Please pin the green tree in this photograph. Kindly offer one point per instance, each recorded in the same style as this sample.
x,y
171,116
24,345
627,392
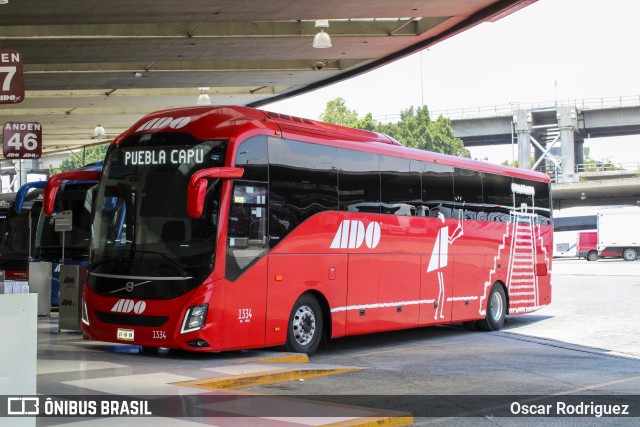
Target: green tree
x,y
336,112
415,128
78,159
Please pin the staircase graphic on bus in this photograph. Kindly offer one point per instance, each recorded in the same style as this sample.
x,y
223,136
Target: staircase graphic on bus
x,y
522,281
518,252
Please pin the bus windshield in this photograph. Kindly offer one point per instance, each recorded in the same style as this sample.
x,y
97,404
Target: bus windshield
x,y
74,198
144,244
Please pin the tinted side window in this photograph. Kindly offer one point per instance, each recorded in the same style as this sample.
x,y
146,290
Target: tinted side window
x,y
467,186
358,181
252,156
542,200
304,182
498,198
247,232
534,203
400,186
437,189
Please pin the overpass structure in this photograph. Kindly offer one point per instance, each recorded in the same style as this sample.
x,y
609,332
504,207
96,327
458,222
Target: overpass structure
x,y
553,135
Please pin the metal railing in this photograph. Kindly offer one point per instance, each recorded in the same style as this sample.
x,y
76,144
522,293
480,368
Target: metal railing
x,y
508,109
610,168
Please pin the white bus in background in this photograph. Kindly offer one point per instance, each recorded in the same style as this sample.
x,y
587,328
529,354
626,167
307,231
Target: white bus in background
x,y
567,223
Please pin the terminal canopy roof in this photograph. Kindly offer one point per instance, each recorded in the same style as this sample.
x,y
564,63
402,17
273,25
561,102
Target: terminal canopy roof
x,y
108,63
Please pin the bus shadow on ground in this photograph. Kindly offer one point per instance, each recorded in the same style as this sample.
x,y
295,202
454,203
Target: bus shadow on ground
x,y
393,339
512,322
415,336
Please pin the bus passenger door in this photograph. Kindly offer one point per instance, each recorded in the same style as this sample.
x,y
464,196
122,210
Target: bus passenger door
x,y
246,266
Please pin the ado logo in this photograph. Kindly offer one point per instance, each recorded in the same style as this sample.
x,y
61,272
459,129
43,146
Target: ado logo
x,y
162,122
127,306
351,234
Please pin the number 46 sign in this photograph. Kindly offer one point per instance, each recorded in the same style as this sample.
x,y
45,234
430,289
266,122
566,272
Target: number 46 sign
x,y
22,140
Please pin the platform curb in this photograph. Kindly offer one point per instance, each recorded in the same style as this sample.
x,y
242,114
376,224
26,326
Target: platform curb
x,y
392,421
261,378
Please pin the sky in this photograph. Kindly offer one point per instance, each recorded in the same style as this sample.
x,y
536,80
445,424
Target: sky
x,y
550,50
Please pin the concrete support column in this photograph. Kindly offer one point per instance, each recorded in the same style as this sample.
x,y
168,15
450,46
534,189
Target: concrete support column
x,y
522,121
568,123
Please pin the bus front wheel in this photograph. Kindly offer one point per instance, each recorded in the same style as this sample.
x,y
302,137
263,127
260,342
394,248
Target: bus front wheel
x,y
496,310
304,331
629,254
592,256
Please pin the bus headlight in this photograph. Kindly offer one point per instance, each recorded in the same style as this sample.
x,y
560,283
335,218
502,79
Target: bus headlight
x,y
85,313
194,318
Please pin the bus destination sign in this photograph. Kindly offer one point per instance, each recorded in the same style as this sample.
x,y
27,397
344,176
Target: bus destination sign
x,y
22,140
11,77
169,156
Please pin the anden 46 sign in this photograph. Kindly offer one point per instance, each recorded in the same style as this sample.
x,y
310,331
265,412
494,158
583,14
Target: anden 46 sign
x,y
22,140
11,77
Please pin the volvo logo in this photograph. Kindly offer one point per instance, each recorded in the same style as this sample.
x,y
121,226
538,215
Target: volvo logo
x,y
129,286
127,306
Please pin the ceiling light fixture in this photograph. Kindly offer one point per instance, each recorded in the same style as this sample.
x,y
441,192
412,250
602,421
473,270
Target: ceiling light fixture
x,y
322,39
4,1
99,132
204,98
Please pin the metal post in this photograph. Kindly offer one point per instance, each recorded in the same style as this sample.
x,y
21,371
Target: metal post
x,y
62,260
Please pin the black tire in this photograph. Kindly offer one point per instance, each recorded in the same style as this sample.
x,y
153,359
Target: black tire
x,y
592,256
304,330
496,310
629,254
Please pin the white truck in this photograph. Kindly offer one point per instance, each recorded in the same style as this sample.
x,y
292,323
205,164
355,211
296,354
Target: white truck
x,y
619,230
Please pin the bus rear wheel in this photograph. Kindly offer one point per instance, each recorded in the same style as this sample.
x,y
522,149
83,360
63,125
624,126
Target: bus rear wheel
x,y
304,331
496,310
629,254
592,256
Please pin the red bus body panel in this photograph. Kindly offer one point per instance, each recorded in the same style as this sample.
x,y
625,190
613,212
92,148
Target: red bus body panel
x,y
377,286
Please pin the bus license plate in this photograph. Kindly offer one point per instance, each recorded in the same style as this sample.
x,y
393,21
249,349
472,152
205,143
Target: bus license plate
x,y
125,334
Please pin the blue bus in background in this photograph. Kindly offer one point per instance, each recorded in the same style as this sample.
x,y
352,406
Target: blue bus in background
x,y
19,214
73,193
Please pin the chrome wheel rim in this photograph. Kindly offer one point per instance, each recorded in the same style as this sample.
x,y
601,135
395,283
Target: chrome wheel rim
x,y
496,306
304,325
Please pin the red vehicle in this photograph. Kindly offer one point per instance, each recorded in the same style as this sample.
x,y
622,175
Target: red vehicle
x,y
587,247
229,228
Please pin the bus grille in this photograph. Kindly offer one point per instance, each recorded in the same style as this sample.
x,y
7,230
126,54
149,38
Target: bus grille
x,y
125,319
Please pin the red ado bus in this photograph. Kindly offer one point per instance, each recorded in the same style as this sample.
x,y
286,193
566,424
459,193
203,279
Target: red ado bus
x,y
228,228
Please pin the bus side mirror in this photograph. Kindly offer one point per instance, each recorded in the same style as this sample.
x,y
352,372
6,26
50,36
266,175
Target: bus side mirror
x,y
53,184
197,189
